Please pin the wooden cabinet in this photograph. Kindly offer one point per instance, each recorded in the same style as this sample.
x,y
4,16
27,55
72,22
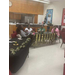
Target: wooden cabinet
x,y
26,6
11,29
36,19
40,8
14,16
11,16
17,16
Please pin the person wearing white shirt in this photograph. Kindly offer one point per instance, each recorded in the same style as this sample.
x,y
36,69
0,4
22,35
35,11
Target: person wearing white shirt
x,y
23,34
29,29
20,31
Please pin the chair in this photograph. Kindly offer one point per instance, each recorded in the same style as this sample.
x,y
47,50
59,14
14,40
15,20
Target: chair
x,y
14,31
34,29
60,35
63,30
10,72
63,38
14,35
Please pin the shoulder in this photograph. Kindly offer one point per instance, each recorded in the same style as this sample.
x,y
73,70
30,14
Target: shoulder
x,y
57,29
26,28
30,28
21,30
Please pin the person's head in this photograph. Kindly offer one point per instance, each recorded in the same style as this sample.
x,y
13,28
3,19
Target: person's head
x,y
55,27
28,26
26,30
18,29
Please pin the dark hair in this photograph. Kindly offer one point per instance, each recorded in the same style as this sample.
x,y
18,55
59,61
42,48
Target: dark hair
x,y
18,29
28,25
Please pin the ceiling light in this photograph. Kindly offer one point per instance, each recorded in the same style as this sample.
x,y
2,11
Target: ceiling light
x,y
43,1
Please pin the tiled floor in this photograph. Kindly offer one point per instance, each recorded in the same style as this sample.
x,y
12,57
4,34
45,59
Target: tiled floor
x,y
46,60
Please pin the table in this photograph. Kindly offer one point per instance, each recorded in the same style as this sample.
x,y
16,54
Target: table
x,y
16,60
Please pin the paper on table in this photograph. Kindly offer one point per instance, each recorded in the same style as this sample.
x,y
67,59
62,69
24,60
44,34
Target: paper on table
x,y
9,38
10,42
19,38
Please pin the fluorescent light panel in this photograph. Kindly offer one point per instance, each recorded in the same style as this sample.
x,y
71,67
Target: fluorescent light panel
x,y
43,1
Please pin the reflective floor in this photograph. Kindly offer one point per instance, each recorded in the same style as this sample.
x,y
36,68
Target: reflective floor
x,y
46,60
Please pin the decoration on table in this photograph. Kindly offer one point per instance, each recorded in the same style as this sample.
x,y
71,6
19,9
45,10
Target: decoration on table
x,y
33,33
36,38
23,46
15,44
49,38
44,39
13,51
20,46
19,36
39,38
63,17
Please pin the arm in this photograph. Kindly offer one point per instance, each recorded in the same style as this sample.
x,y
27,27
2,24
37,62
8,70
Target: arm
x,y
44,29
23,34
31,30
52,31
57,30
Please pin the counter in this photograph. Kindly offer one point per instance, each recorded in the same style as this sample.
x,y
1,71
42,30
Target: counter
x,y
13,27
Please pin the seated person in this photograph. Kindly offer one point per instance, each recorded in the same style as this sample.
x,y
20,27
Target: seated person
x,y
20,31
56,31
29,29
41,30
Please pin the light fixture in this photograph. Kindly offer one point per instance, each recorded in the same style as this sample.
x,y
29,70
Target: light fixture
x,y
43,1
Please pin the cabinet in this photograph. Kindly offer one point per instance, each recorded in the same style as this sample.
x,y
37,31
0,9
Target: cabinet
x,y
17,16
14,16
27,7
11,16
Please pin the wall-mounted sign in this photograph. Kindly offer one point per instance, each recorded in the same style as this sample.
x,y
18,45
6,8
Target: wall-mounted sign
x,y
49,16
10,3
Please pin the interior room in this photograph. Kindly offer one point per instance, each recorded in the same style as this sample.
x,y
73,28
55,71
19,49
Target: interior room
x,y
36,37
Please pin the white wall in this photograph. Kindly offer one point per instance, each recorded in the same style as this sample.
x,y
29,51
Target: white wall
x,y
40,18
57,11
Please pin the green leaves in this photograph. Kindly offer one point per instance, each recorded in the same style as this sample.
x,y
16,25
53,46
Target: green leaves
x,y
18,48
23,46
13,51
23,43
